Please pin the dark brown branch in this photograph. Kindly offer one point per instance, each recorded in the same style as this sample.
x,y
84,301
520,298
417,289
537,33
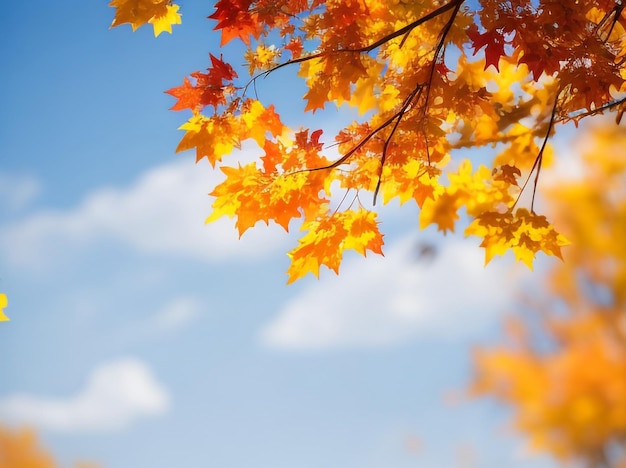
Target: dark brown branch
x,y
438,49
399,116
424,19
599,110
540,155
359,145
539,158
411,97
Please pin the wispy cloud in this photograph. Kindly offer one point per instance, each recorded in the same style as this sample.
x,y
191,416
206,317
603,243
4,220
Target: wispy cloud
x,y
16,191
382,301
116,395
176,314
162,212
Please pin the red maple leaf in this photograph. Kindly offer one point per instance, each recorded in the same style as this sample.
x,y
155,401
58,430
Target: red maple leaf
x,y
209,87
493,41
235,20
221,70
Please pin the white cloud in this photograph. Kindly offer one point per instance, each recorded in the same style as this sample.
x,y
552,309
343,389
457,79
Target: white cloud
x,y
117,393
162,212
16,191
381,301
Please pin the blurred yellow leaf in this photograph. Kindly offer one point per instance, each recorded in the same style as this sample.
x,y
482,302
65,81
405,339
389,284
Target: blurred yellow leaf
x,y
4,302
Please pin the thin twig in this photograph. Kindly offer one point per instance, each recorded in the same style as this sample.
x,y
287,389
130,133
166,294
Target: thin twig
x,y
404,30
539,158
411,98
399,116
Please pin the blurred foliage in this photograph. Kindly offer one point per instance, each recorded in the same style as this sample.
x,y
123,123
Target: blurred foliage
x,y
21,449
563,368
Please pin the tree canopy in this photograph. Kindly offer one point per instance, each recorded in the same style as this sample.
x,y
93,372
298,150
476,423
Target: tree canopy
x,y
427,78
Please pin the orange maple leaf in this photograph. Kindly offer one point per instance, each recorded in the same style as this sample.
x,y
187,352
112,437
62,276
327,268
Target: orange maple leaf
x,y
328,237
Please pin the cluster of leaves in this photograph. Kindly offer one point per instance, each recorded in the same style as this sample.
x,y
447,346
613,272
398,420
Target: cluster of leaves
x,y
428,78
565,377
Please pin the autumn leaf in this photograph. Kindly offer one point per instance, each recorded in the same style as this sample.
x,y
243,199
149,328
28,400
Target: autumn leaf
x,y
327,239
188,95
442,211
235,21
211,88
523,232
211,137
508,174
492,41
164,23
4,302
162,14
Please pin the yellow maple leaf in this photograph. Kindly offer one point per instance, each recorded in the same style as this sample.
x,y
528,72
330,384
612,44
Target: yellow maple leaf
x,y
164,23
162,14
212,137
3,303
254,119
262,58
363,234
525,249
442,211
365,96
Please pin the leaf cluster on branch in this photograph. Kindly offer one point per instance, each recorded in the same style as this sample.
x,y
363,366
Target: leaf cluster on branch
x,y
428,78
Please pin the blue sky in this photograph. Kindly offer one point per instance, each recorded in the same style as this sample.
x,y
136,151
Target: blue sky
x,y
140,337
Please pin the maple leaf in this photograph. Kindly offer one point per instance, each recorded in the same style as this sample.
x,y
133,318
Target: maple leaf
x,y
188,95
164,23
210,89
258,121
253,195
160,13
239,195
441,210
535,62
263,58
4,302
363,234
212,137
235,21
328,237
493,41
523,232
507,173
295,47
220,70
